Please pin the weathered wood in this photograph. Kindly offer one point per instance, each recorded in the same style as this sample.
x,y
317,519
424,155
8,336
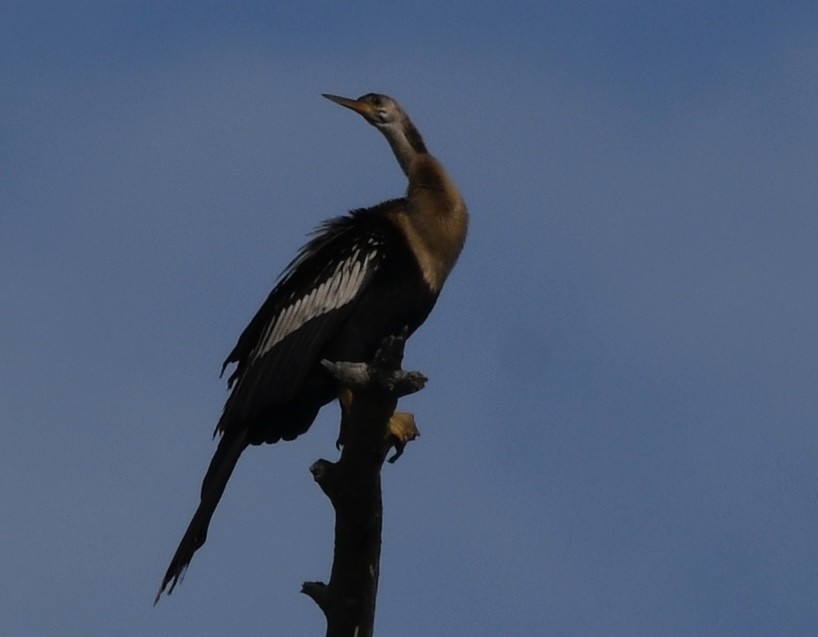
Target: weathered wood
x,y
370,427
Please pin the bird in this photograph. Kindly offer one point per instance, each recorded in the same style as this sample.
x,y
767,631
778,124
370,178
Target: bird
x,y
361,277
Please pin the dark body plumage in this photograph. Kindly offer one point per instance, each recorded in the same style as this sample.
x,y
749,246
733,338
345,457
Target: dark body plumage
x,y
366,268
361,278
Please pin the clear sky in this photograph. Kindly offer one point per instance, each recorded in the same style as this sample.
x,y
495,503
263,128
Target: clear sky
x,y
619,432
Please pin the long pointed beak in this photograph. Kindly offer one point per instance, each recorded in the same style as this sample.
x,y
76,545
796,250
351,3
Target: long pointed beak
x,y
362,108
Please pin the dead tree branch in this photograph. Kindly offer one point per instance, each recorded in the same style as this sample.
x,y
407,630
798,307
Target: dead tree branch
x,y
370,427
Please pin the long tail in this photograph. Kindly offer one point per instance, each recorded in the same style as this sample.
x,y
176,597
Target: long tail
x,y
218,473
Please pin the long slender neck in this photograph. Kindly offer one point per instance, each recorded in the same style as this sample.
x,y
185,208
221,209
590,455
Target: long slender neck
x,y
406,143
436,219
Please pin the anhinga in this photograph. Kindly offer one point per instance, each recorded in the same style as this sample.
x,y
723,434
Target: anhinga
x,y
362,277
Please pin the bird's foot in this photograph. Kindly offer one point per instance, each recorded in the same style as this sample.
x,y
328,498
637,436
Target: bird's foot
x,y
400,431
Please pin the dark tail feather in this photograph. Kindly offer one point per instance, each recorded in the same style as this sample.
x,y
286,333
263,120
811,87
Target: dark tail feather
x,y
218,473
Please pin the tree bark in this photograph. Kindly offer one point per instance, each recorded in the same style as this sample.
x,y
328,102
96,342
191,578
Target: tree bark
x,y
370,427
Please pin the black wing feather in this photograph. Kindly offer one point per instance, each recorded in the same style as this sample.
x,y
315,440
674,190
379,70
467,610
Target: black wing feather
x,y
265,378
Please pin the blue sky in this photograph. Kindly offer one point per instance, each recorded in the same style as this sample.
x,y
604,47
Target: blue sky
x,y
619,433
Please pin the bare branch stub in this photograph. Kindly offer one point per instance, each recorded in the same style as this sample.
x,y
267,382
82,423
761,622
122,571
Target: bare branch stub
x,y
370,427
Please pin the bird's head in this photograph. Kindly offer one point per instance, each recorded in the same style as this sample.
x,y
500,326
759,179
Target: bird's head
x,y
379,110
388,117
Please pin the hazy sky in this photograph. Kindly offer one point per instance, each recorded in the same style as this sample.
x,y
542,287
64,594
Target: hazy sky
x,y
619,433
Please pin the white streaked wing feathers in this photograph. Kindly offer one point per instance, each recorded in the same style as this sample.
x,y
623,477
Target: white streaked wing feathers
x,y
334,292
